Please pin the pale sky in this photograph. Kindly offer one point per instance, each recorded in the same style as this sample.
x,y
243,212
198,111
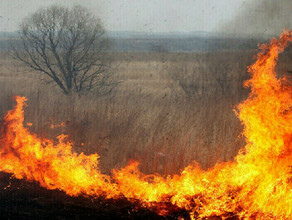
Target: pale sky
x,y
149,15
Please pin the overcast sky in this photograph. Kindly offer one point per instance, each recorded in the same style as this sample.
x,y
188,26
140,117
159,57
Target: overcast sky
x,y
158,15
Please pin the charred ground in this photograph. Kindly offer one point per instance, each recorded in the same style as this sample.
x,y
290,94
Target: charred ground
x,y
21,199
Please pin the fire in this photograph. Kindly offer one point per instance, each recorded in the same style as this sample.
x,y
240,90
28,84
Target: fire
x,y
54,166
257,184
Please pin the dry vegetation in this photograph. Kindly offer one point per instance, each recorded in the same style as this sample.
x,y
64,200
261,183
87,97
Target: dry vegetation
x,y
167,111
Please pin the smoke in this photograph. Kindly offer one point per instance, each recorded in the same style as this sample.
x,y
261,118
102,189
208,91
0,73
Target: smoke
x,y
263,17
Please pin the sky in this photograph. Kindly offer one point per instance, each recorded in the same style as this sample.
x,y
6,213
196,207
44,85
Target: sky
x,y
152,16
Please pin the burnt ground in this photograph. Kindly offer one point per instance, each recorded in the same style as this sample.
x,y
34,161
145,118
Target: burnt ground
x,y
25,200
20,199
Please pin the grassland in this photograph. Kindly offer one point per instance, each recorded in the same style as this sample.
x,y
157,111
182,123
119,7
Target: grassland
x,y
168,110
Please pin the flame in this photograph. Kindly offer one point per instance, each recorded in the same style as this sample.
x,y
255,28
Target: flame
x,y
257,184
54,166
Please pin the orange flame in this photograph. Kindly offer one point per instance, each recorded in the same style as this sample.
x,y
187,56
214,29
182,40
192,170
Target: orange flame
x,y
53,166
258,184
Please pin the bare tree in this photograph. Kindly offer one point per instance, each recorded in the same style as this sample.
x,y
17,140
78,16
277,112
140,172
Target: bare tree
x,y
67,45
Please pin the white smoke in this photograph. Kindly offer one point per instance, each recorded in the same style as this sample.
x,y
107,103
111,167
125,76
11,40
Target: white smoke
x,y
261,17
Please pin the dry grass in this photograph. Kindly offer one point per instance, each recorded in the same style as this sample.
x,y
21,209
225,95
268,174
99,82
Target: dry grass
x,y
148,117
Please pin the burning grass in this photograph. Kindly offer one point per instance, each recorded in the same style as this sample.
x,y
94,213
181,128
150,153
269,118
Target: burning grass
x,y
256,185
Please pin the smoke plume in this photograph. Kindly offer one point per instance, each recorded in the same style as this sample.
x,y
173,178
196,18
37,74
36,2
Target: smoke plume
x,y
264,17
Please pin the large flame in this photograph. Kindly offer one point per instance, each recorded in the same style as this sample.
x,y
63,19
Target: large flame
x,y
258,184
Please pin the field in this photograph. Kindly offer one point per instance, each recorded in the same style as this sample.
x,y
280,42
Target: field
x,y
168,109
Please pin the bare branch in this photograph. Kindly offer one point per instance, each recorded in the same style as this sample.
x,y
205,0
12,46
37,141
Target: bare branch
x,y
66,45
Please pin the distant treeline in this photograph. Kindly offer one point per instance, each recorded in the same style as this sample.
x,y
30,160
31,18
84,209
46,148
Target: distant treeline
x,y
166,43
183,45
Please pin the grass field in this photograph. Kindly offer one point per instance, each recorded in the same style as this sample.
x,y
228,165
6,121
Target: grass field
x,y
168,110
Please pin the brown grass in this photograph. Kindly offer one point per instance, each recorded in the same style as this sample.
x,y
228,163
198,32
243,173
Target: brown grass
x,y
148,117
